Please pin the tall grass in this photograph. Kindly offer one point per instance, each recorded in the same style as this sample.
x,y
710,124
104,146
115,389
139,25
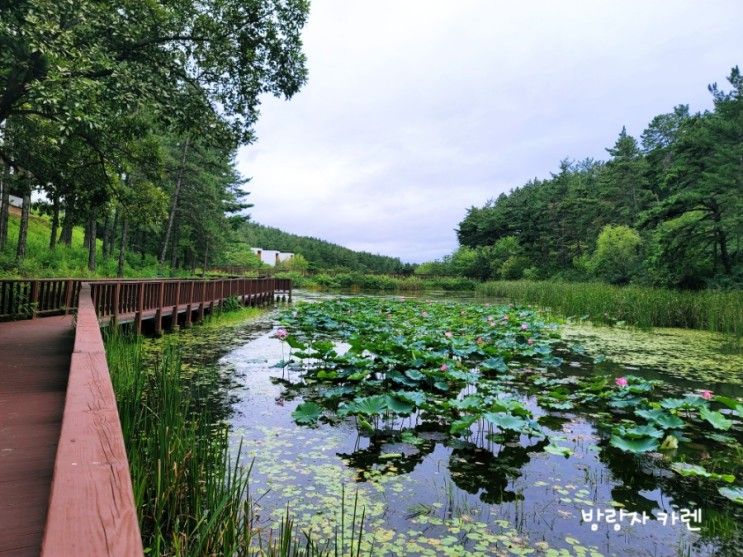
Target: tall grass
x,y
712,310
192,497
386,283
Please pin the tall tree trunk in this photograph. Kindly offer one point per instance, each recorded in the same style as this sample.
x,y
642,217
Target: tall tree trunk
x,y
91,243
721,238
141,245
174,204
724,255
4,206
65,237
111,232
55,222
122,249
174,250
86,236
23,230
106,235
206,257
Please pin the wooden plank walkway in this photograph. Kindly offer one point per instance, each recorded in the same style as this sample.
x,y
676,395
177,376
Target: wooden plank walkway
x,y
34,365
64,476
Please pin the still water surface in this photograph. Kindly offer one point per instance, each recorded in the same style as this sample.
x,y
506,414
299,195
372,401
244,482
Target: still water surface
x,y
450,497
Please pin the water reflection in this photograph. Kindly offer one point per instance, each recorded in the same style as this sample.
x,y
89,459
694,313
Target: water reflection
x,y
512,481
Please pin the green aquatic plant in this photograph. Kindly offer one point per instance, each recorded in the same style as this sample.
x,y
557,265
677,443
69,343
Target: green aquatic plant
x,y
735,494
383,361
694,470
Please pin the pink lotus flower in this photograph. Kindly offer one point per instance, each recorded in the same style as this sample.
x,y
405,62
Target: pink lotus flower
x,y
424,314
448,334
524,326
621,381
281,334
505,317
530,341
706,394
444,367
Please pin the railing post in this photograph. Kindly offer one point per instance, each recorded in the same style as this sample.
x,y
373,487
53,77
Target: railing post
x,y
176,303
34,298
117,296
187,323
69,285
290,291
159,312
203,300
140,308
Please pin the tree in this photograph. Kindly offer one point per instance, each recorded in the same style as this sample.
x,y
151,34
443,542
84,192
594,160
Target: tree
x,y
195,62
623,182
705,180
617,254
297,263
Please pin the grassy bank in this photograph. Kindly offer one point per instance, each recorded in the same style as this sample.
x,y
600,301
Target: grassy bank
x,y
386,283
67,261
644,307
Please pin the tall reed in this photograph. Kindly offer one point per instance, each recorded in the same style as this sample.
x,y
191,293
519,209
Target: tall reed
x,y
713,310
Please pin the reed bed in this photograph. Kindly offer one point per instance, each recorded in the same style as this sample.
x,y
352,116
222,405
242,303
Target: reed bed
x,y
382,283
713,310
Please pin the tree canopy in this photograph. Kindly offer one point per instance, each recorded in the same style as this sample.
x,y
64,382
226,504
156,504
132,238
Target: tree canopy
x,y
667,210
129,114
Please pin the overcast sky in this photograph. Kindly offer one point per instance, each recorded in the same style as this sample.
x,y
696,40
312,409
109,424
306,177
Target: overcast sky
x,y
416,110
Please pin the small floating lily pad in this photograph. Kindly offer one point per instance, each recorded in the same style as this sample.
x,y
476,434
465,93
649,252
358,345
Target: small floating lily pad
x,y
735,494
686,470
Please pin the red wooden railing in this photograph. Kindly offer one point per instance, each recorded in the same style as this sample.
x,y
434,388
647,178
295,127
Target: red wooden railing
x,y
91,505
134,300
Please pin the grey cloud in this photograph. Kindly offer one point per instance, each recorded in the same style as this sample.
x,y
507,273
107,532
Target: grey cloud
x,y
415,111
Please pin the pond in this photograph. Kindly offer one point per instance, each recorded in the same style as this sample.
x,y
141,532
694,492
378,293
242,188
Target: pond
x,y
461,428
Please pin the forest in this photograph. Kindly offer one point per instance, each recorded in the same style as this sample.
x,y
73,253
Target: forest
x,y
320,254
125,122
665,210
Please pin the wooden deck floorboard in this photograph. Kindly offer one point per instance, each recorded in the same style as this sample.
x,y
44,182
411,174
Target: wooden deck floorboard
x,y
34,365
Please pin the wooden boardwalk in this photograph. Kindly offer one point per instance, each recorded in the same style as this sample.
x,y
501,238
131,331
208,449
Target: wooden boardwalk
x,y
34,364
64,476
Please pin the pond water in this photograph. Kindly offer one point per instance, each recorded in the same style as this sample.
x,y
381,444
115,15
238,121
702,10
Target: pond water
x,y
430,493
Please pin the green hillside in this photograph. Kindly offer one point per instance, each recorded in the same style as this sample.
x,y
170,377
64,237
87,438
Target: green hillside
x,y
320,254
65,261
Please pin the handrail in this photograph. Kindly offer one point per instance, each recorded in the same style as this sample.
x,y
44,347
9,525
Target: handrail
x,y
30,298
91,507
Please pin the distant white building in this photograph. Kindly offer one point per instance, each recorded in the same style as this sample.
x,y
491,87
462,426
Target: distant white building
x,y
271,257
15,201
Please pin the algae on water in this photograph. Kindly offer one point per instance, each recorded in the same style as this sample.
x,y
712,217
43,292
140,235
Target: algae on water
x,y
682,353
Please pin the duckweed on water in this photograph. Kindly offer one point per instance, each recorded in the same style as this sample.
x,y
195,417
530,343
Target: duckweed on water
x,y
508,399
683,353
190,491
